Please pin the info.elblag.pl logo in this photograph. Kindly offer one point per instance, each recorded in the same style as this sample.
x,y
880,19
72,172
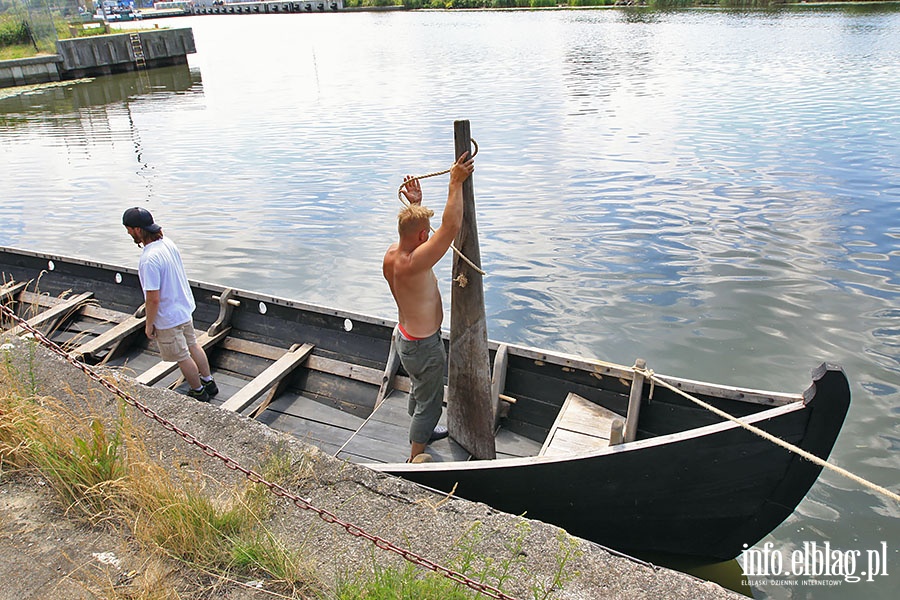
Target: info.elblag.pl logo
x,y
812,564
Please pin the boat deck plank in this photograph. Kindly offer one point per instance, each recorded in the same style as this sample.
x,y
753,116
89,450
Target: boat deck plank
x,y
108,334
135,362
295,406
581,426
384,437
269,378
510,444
310,421
59,310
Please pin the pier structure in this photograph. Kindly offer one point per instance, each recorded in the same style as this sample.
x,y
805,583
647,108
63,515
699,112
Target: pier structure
x,y
246,8
102,55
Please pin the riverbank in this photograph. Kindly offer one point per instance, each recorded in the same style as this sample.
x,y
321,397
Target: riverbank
x,y
43,553
101,55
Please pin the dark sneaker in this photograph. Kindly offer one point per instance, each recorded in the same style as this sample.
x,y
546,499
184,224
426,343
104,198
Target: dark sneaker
x,y
210,386
439,433
198,395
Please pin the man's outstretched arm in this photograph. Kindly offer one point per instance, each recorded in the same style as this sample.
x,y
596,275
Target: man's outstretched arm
x,y
428,254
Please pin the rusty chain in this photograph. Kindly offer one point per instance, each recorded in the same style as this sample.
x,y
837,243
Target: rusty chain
x,y
255,477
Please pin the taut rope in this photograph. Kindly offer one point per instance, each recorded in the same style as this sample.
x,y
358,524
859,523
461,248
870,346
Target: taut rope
x,y
649,374
462,282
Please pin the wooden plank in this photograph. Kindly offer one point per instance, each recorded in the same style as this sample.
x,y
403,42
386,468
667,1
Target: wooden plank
x,y
86,325
315,363
112,336
390,371
257,407
34,298
108,315
280,369
374,451
355,372
567,442
11,289
512,444
322,436
163,368
559,417
253,348
581,426
634,402
388,432
52,315
383,437
588,418
380,441
470,415
498,381
303,408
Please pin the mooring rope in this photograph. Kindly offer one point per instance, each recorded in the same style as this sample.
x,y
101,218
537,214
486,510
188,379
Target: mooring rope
x,y
253,476
461,280
649,374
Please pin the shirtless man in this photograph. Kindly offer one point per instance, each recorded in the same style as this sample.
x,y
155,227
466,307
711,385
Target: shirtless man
x,y
407,268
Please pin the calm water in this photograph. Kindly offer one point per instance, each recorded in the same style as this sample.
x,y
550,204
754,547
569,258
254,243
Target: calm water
x,y
717,192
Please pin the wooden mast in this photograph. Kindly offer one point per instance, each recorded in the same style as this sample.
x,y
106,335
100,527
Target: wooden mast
x,y
469,411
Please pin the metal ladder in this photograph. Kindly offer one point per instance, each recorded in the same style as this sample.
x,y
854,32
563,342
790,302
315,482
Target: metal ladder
x,y
138,49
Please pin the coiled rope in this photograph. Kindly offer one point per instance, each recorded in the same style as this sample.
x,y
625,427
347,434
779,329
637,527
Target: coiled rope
x,y
461,278
649,374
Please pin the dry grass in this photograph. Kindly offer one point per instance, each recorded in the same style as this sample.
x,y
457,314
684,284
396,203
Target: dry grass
x,y
103,475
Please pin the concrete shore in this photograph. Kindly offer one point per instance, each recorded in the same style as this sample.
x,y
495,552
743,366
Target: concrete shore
x,y
403,513
101,55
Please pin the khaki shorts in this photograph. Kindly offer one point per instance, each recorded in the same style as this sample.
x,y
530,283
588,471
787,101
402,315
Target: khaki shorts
x,y
174,343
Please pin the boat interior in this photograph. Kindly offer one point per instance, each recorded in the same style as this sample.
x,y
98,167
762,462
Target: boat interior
x,y
325,376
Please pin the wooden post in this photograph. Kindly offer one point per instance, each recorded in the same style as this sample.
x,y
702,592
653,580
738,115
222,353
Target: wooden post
x,y
469,409
634,402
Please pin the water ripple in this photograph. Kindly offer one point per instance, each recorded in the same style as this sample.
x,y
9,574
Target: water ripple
x,y
715,191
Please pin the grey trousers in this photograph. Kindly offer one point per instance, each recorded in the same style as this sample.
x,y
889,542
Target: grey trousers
x,y
424,361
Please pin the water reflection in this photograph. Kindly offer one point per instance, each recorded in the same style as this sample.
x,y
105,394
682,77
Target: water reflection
x,y
71,97
713,191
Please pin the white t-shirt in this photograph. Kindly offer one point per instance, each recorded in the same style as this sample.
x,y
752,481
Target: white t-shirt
x,y
160,268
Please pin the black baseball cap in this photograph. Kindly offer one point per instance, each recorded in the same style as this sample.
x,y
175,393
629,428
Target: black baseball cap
x,y
140,217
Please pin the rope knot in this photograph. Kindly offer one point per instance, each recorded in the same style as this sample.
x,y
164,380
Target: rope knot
x,y
462,280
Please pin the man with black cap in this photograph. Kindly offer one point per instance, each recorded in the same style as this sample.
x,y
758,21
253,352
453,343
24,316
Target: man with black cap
x,y
169,303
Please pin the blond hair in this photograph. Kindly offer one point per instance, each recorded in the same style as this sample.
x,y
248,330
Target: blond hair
x,y
413,219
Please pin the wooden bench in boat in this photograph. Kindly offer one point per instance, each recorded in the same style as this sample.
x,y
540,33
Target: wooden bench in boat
x,y
268,379
59,310
580,427
110,337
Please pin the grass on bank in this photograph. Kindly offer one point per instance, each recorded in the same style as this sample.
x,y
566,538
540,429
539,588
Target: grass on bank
x,y
17,38
103,475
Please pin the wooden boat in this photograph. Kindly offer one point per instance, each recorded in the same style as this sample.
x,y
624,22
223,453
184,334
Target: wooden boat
x,y
689,483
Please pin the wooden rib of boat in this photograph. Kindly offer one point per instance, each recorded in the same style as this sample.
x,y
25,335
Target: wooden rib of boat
x,y
683,481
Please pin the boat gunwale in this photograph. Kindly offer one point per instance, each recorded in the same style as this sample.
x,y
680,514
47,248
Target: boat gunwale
x,y
662,440
596,367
